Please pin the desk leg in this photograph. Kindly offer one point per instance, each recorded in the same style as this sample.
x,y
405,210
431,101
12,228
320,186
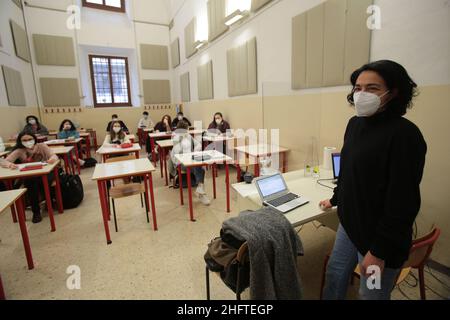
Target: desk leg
x,y
284,162
180,182
165,167
238,169
104,205
152,200
147,202
189,183
214,169
161,156
137,155
48,199
66,163
58,191
72,164
227,183
88,146
9,186
2,292
152,146
23,231
94,133
257,167
77,156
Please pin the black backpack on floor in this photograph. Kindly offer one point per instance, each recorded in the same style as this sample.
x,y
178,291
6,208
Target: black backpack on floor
x,y
89,163
71,190
194,182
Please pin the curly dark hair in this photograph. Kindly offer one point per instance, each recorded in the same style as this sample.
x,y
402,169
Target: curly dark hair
x,y
396,78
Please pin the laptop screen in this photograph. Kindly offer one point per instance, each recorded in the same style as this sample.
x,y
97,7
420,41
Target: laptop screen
x,y
271,185
336,164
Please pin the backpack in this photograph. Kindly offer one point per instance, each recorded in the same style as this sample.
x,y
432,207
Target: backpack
x,y
176,180
89,163
71,190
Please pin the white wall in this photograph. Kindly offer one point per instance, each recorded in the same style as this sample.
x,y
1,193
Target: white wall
x,y
414,33
9,11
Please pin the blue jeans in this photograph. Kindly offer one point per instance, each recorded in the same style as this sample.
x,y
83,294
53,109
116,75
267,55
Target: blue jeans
x,y
340,267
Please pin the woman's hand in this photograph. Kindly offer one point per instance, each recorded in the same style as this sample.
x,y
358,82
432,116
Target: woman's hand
x,y
325,204
371,260
9,165
51,161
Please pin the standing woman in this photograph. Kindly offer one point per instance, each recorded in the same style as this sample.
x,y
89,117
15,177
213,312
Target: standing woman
x,y
28,150
378,192
34,127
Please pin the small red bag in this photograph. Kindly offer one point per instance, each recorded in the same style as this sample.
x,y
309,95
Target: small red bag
x,y
126,145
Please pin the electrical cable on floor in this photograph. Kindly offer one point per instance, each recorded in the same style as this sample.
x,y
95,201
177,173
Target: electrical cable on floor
x,y
319,182
402,292
415,279
436,278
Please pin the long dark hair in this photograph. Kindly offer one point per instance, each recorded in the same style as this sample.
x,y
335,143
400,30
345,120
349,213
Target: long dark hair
x,y
112,134
396,78
19,144
72,126
38,124
214,119
170,120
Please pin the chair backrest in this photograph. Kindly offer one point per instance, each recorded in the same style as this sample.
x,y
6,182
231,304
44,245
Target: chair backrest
x,y
421,249
242,255
118,159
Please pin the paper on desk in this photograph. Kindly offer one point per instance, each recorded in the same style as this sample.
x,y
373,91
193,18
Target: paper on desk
x,y
245,189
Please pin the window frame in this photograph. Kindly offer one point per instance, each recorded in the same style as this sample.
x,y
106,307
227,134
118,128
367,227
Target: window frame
x,y
94,92
104,6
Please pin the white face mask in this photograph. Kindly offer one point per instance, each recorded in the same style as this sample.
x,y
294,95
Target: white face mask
x,y
117,129
67,128
32,122
219,122
180,118
367,104
29,144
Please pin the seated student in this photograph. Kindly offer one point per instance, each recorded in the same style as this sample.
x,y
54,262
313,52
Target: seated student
x,y
115,117
219,124
164,125
116,136
180,117
145,122
34,127
28,150
185,143
67,130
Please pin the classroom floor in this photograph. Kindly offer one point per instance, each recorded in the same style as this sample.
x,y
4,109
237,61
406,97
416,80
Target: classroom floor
x,y
141,263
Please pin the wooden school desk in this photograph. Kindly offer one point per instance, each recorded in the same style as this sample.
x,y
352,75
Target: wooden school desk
x,y
106,152
164,146
66,154
249,199
8,199
256,151
132,168
187,161
8,176
68,142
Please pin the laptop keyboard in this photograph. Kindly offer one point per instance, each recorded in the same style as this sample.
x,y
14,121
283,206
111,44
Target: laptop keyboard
x,y
282,200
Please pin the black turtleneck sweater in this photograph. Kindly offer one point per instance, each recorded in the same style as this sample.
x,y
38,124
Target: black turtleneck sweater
x,y
378,193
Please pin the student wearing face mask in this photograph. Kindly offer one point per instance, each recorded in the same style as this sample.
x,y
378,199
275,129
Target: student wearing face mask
x,y
219,124
67,130
116,136
28,150
180,117
145,122
165,125
33,126
378,191
115,118
183,142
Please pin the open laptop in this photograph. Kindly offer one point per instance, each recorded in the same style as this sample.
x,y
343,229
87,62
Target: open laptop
x,y
336,160
274,193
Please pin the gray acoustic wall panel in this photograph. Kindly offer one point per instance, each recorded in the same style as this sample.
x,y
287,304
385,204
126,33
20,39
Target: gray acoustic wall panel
x,y
242,69
216,19
205,81
20,41
157,91
185,87
154,57
14,87
60,92
54,50
175,53
189,38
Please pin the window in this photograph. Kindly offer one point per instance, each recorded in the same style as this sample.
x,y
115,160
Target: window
x,y
112,5
110,81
